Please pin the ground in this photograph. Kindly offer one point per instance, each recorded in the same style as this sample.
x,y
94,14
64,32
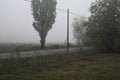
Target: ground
x,y
74,66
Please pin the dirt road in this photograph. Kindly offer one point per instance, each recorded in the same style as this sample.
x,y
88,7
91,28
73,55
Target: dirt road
x,y
35,53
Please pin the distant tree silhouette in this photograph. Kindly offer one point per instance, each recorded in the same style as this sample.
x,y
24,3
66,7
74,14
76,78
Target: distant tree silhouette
x,y
79,31
44,13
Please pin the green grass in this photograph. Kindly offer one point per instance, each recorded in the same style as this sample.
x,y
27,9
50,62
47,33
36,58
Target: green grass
x,y
62,67
11,48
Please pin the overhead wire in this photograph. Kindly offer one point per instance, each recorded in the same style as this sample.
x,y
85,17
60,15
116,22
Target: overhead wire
x,y
66,11
62,10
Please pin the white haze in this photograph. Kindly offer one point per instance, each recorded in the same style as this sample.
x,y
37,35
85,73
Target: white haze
x,y
16,21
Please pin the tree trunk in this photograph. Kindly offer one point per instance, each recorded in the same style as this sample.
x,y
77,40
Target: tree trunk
x,y
42,41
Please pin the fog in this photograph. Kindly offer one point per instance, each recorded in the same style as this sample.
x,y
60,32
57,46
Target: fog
x,y
16,21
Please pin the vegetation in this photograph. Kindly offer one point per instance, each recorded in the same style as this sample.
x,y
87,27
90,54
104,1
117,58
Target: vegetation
x,y
104,25
44,13
79,30
62,67
11,48
102,30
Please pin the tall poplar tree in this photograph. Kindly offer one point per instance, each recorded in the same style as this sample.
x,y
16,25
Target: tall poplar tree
x,y
44,13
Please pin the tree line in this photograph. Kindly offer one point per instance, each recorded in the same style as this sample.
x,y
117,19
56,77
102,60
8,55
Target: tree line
x,y
101,30
102,27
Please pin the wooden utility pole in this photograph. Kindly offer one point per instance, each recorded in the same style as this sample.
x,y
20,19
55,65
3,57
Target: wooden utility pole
x,y
67,30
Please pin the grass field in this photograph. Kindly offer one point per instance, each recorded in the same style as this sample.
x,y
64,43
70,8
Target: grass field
x,y
10,48
75,66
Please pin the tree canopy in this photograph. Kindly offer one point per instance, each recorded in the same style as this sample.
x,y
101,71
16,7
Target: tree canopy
x,y
104,25
44,13
79,29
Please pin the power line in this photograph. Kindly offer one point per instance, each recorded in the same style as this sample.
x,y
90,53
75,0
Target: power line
x,y
66,11
74,14
62,10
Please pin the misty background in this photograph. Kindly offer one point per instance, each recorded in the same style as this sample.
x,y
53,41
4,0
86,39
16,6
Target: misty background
x,y
16,21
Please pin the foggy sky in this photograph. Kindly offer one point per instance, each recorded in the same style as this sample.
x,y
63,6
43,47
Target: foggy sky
x,y
16,21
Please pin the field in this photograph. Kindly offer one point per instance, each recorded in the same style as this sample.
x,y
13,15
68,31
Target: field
x,y
74,66
10,48
6,48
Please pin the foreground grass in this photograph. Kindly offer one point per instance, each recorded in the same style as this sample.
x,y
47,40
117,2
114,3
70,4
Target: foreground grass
x,y
62,67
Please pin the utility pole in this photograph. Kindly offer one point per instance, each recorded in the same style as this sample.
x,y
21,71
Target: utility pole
x,y
67,30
